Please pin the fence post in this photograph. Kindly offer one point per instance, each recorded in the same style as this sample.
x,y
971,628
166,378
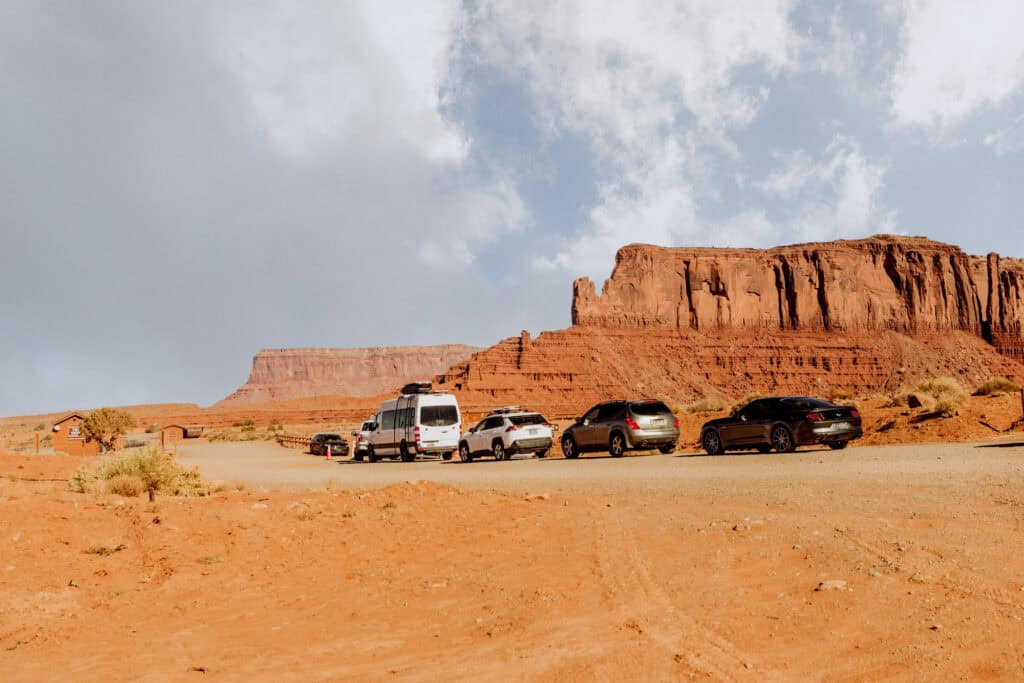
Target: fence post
x,y
37,443
1022,403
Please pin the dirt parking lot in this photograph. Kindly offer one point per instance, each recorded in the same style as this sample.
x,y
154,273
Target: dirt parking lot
x,y
897,563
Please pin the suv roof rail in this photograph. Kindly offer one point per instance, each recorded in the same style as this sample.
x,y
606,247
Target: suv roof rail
x,y
505,410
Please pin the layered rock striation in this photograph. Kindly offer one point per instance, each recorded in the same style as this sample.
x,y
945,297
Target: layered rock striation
x,y
285,374
884,283
858,316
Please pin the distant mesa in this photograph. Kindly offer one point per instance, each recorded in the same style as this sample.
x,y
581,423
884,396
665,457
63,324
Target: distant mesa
x,y
285,374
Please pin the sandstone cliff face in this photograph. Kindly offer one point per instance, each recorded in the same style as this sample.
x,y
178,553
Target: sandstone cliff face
x,y
284,374
908,285
859,316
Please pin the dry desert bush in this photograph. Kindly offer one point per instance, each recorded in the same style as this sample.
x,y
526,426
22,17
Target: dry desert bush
x,y
706,405
151,467
943,396
997,386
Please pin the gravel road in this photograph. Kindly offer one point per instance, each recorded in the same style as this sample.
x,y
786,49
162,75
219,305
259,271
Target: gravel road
x,y
268,465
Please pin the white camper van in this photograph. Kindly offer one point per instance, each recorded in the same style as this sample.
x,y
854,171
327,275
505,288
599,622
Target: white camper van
x,y
419,422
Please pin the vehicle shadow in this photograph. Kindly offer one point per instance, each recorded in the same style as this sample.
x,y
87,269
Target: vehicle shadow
x,y
589,456
1015,444
802,449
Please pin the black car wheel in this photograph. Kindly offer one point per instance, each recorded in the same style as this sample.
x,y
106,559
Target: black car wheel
x,y
838,445
464,454
569,448
782,440
617,445
498,451
371,454
712,442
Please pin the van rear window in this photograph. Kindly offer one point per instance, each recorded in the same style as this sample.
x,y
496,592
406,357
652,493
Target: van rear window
x,y
650,408
438,416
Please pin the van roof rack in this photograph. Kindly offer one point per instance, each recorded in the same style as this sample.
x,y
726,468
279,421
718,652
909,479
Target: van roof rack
x,y
417,388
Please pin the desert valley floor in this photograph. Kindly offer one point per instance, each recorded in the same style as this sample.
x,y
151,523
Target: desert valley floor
x,y
878,563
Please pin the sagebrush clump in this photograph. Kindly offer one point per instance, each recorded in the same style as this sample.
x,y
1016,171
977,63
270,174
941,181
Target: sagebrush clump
x,y
997,386
706,405
148,469
948,394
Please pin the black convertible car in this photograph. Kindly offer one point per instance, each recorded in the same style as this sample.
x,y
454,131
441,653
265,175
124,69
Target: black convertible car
x,y
782,423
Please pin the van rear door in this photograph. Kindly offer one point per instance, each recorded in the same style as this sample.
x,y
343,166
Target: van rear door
x,y
439,426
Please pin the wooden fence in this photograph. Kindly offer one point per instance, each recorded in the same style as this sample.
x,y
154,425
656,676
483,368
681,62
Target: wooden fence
x,y
292,441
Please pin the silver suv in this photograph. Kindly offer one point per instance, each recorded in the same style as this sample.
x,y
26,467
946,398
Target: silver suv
x,y
620,426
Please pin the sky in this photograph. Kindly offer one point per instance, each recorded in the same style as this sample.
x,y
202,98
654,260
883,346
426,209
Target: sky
x,y
185,183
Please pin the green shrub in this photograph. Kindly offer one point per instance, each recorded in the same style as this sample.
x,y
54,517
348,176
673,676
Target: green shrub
x,y
275,426
126,485
706,405
40,427
153,468
153,428
106,426
997,385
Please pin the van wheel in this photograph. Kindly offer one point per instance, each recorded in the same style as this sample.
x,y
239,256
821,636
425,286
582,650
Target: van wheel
x,y
617,445
405,454
498,451
371,454
782,440
464,454
569,448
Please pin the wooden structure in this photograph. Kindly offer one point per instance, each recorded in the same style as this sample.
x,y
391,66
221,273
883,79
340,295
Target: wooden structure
x,y
69,437
172,435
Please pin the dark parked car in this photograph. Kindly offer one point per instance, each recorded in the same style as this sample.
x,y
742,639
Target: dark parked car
x,y
620,426
782,423
318,444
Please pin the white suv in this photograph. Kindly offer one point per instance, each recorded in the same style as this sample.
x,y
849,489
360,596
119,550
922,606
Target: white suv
x,y
507,432
362,439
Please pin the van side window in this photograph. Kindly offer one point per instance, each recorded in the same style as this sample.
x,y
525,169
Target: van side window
x,y
387,419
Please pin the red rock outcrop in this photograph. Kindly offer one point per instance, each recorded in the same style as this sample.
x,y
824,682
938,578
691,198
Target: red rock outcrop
x,y
284,374
858,316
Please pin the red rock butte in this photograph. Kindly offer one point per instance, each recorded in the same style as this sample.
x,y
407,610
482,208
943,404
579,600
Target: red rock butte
x,y
285,374
859,316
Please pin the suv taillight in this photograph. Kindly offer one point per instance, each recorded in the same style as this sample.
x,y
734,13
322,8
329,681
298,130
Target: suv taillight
x,y
512,428
815,417
631,423
675,422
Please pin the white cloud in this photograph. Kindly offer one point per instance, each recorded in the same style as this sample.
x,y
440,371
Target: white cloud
x,y
958,58
836,196
631,78
1008,139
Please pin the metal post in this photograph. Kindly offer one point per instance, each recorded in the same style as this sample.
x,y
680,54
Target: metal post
x,y
1022,403
37,443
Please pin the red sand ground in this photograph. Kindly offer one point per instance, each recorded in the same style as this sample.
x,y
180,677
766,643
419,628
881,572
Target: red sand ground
x,y
715,581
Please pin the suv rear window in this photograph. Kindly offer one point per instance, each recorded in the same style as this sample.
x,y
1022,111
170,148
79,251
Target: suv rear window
x,y
438,416
527,420
649,408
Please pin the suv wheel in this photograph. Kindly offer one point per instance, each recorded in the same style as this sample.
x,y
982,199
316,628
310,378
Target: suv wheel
x,y
569,447
712,442
371,454
782,440
617,445
543,453
838,445
464,454
358,456
498,451
447,455
667,450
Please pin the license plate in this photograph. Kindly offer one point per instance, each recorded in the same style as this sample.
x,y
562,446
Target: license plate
x,y
840,426
534,431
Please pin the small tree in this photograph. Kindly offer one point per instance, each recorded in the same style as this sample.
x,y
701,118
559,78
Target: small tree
x,y
106,426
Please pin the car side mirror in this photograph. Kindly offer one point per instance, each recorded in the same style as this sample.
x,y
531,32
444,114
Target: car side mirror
x,y
355,433
743,418
585,422
555,428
